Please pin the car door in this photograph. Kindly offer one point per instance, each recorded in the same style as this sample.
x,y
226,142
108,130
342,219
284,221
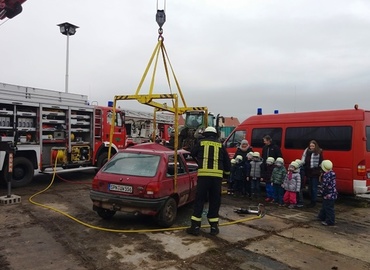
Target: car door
x,y
183,182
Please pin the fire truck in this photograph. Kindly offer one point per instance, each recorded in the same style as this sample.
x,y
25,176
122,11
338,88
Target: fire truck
x,y
55,131
140,126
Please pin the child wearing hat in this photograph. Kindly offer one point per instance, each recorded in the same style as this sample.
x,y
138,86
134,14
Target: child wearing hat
x,y
255,173
267,179
300,201
277,179
329,194
292,185
239,176
230,182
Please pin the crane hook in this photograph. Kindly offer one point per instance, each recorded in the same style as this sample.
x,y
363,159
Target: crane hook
x,y
161,18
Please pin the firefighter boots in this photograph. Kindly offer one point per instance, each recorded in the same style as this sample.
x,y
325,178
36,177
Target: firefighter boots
x,y
194,229
214,228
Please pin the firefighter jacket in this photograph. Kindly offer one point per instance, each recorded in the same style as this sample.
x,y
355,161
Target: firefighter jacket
x,y
212,158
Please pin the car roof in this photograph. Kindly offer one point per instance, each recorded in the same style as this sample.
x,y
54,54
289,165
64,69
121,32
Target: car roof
x,y
151,148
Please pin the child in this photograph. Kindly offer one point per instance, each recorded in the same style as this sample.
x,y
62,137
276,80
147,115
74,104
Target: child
x,y
267,179
230,183
277,179
255,174
329,194
239,176
300,201
248,173
292,184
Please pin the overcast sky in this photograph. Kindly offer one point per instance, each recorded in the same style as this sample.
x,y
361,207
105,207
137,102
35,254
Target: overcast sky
x,y
231,56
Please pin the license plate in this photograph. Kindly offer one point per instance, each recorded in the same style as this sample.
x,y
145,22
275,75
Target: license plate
x,y
121,188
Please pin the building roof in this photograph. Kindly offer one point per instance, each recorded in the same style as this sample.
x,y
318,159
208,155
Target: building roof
x,y
231,121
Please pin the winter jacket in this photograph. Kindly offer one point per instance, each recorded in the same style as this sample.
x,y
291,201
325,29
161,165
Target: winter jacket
x,y
328,186
278,175
292,181
267,173
239,171
255,169
312,163
271,150
243,153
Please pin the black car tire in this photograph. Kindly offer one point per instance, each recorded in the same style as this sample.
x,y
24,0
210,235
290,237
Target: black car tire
x,y
23,172
167,216
105,213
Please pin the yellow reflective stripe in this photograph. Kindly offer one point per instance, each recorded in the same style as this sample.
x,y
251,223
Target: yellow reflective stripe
x,y
213,220
210,172
215,160
195,218
206,153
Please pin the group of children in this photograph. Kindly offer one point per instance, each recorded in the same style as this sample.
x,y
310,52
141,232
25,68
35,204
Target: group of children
x,y
283,186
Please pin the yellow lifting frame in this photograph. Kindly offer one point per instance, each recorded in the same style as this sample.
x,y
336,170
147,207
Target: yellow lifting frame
x,y
150,99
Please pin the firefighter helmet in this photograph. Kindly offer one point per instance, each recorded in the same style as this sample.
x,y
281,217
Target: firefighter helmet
x,y
211,130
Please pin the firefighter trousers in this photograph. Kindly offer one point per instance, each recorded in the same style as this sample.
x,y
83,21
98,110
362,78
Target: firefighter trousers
x,y
208,188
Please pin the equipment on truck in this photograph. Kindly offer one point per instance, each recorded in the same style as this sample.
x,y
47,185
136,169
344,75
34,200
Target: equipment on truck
x,y
51,128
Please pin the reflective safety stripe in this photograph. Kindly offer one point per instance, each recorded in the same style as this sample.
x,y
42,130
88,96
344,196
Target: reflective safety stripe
x,y
213,220
210,172
196,218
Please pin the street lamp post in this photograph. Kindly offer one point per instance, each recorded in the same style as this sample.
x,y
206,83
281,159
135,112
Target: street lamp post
x,y
67,29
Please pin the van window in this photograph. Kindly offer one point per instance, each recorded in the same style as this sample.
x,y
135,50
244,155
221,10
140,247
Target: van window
x,y
236,138
259,133
368,138
336,138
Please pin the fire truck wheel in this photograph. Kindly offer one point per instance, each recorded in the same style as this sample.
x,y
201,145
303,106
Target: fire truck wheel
x,y
23,172
105,213
167,216
102,159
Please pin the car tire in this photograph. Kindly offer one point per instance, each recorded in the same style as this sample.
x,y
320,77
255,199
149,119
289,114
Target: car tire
x,y
105,213
168,213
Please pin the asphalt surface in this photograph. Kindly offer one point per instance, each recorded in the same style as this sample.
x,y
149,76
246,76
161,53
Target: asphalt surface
x,y
35,237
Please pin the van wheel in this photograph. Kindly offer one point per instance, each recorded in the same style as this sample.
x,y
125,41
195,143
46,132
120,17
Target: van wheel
x,y
167,216
105,213
23,172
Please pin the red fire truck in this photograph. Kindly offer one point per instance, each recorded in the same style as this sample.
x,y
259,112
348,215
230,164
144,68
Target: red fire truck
x,y
54,131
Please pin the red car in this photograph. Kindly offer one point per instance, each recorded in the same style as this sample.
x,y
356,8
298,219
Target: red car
x,y
140,180
10,8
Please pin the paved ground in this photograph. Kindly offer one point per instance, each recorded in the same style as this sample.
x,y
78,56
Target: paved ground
x,y
33,237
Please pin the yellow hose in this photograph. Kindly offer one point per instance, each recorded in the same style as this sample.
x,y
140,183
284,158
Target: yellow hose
x,y
30,199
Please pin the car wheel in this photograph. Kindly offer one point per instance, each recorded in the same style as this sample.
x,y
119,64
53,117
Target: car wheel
x,y
167,215
105,213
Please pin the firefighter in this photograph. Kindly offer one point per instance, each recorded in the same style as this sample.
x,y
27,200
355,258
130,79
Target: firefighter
x,y
213,165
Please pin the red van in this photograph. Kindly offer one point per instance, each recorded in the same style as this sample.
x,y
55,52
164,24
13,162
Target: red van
x,y
342,134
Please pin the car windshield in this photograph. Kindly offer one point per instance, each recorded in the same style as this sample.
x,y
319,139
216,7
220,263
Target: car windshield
x,y
136,164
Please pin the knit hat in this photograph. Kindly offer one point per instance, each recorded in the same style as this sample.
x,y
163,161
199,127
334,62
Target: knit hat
x,y
280,161
244,142
294,164
270,160
300,163
326,165
256,154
